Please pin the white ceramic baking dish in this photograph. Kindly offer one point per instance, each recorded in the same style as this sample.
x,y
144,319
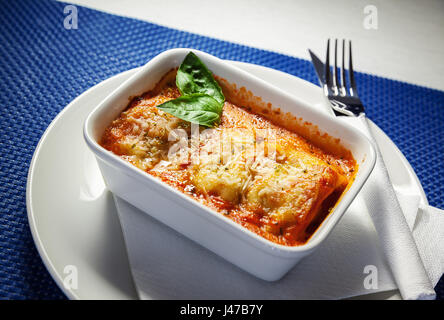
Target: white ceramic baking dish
x,y
243,248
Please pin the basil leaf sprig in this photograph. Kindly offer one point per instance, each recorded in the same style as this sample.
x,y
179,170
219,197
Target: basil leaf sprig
x,y
194,77
196,108
201,99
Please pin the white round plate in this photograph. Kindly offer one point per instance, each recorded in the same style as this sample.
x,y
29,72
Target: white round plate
x,y
72,215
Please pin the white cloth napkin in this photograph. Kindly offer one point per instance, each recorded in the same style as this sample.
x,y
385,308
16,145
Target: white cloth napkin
x,y
167,265
351,262
395,237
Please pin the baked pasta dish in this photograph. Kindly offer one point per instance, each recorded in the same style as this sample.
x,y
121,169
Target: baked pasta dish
x,y
247,167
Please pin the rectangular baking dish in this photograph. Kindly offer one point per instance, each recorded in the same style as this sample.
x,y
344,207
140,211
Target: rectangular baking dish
x,y
243,248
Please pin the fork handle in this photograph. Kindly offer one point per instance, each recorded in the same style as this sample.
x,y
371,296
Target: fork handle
x,y
395,236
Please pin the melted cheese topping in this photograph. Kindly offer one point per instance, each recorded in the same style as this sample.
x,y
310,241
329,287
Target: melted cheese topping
x,y
266,178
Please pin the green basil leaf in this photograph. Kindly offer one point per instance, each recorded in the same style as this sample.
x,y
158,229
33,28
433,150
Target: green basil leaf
x,y
196,108
194,77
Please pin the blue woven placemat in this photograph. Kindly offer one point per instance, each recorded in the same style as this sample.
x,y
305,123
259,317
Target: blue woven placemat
x,y
43,67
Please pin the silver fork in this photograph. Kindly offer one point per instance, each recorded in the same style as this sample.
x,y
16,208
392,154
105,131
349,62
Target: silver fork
x,y
394,234
344,99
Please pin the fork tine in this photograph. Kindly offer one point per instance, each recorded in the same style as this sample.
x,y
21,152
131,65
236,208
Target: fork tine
x,y
327,66
353,90
343,81
336,78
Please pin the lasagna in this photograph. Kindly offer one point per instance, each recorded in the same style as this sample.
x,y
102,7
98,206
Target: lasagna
x,y
269,179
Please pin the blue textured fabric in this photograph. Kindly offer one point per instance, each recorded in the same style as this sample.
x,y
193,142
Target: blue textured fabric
x,y
43,67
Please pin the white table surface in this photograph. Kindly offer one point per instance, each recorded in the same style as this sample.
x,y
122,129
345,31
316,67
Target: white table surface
x,y
407,45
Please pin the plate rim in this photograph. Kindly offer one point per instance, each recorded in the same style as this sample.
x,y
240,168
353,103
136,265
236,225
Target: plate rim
x,y
29,208
30,214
